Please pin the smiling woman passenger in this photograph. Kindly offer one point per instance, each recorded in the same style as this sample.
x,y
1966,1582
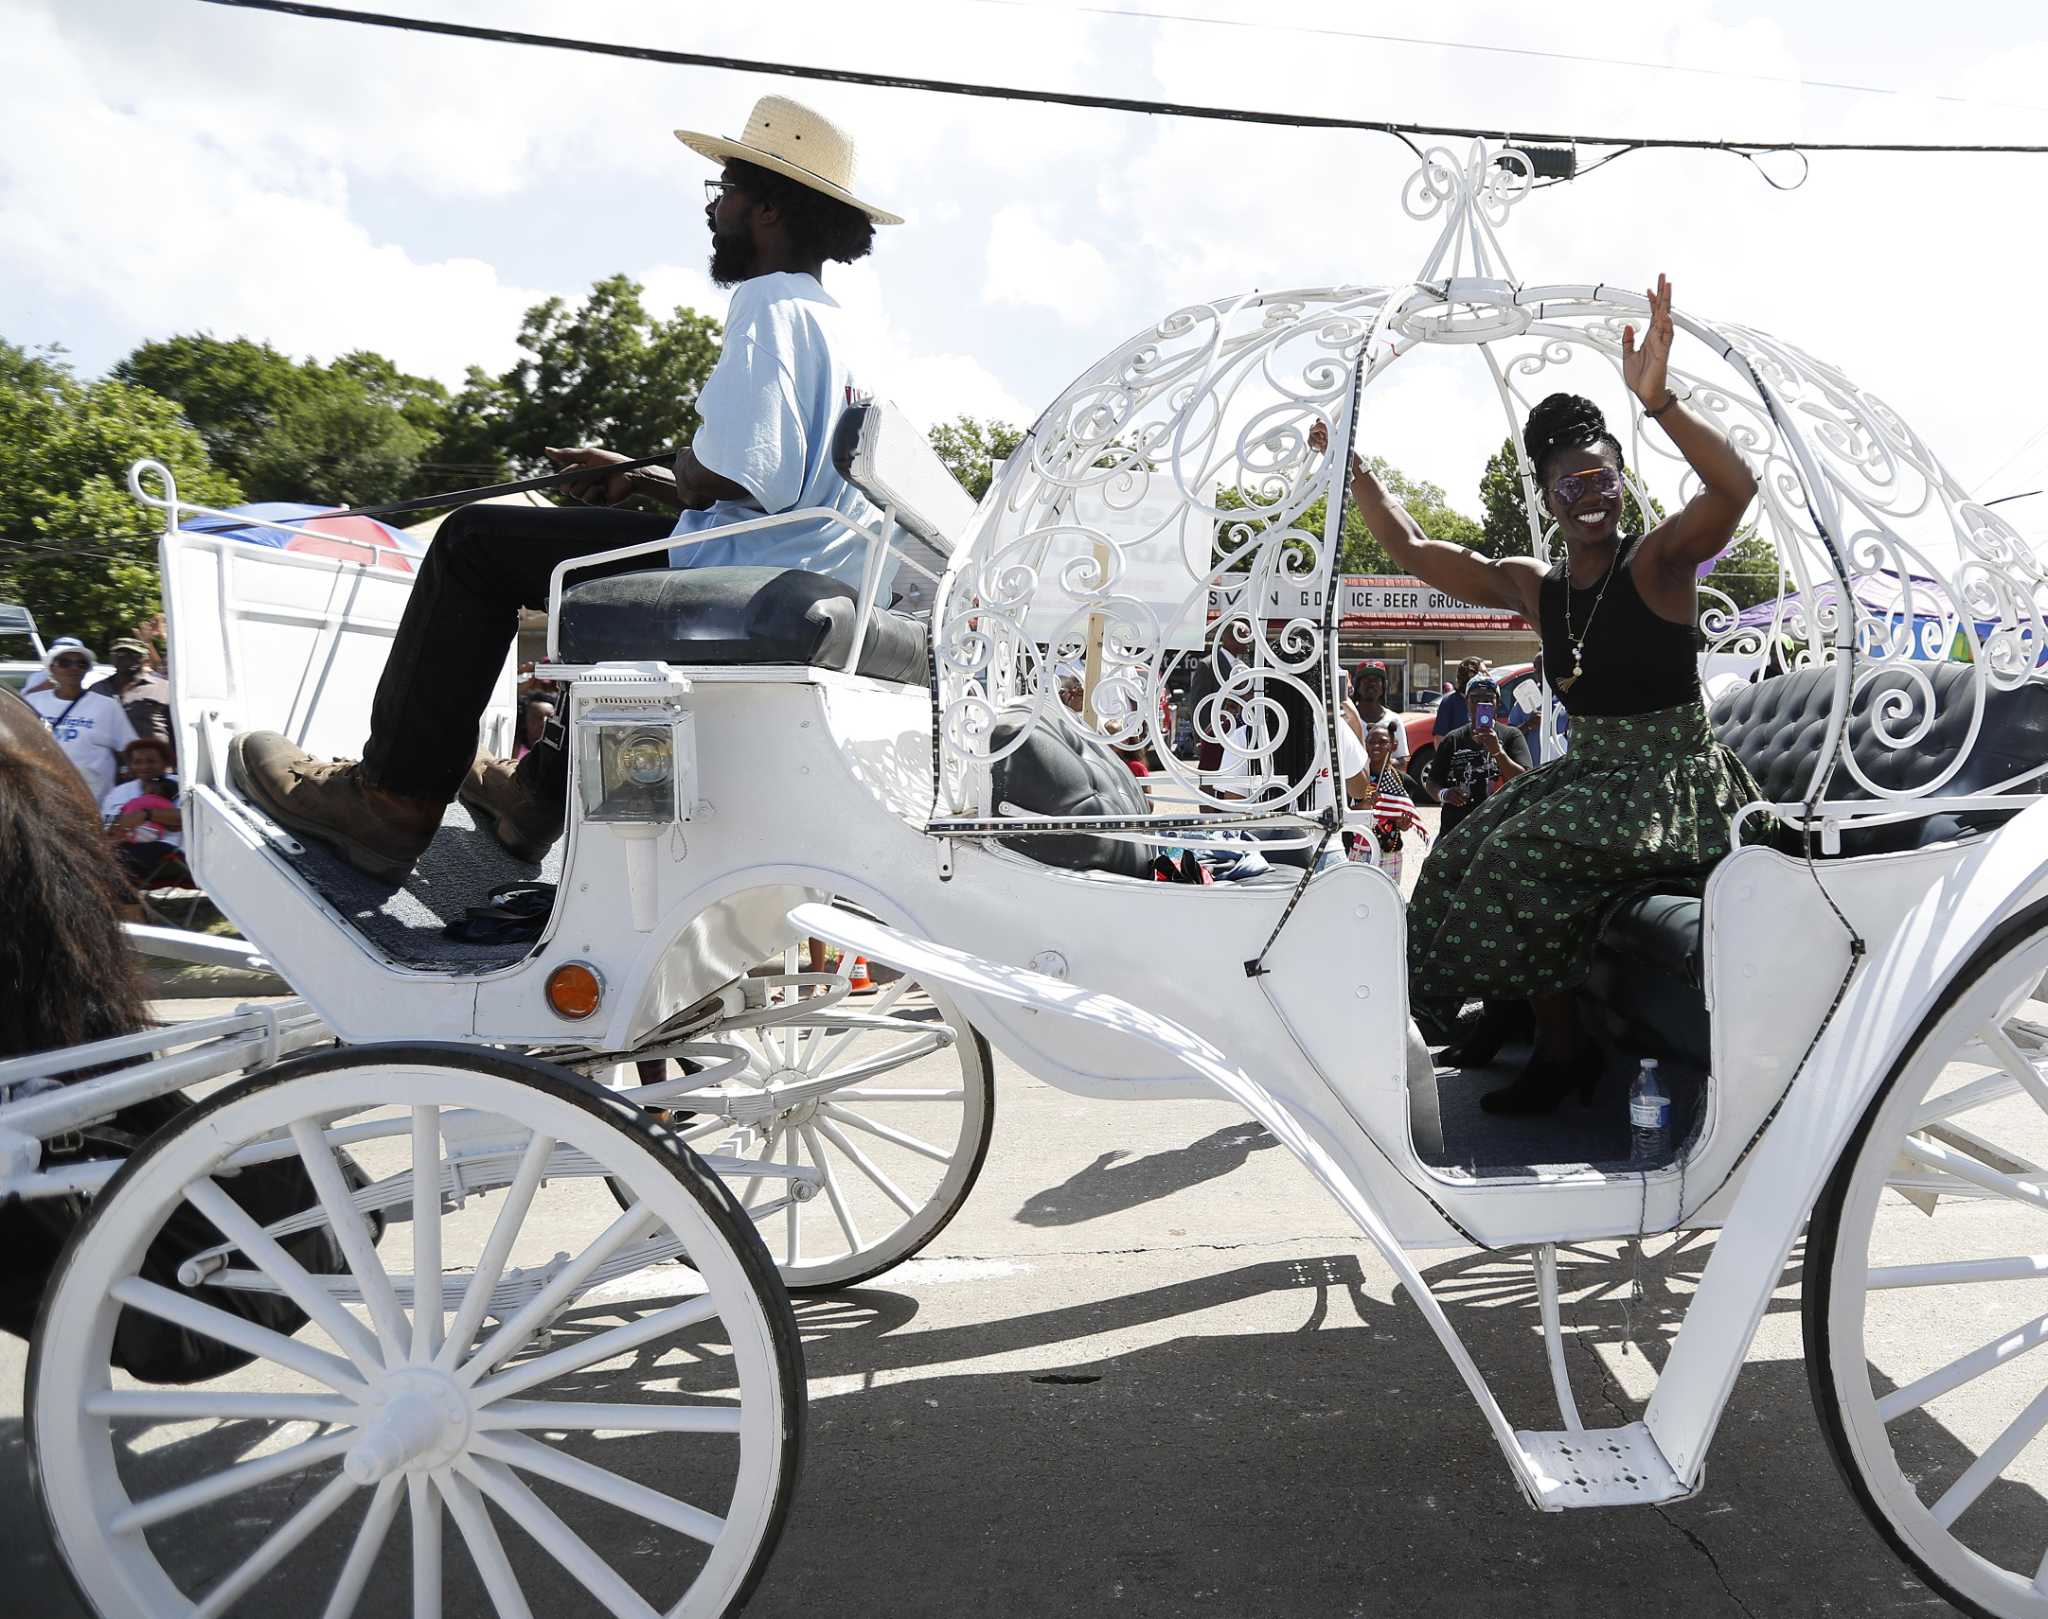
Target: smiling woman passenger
x,y
1508,904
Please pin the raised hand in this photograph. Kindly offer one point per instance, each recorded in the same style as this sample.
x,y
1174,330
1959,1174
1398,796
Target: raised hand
x,y
1319,441
1644,369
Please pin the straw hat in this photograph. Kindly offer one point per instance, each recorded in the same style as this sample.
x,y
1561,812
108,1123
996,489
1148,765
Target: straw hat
x,y
787,137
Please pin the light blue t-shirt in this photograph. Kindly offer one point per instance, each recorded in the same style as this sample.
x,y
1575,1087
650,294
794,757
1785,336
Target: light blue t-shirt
x,y
770,407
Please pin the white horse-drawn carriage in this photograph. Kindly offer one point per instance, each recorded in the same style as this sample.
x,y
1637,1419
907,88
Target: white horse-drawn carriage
x,y
438,1275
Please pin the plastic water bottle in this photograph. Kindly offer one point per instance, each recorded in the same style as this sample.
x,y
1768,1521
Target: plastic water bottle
x,y
1649,1117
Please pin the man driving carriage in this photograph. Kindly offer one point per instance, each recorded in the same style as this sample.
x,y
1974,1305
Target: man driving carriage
x,y
782,205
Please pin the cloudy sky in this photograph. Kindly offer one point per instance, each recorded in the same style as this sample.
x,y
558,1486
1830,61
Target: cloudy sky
x,y
168,165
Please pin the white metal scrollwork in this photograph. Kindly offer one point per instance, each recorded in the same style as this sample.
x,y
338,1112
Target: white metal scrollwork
x,y
1166,516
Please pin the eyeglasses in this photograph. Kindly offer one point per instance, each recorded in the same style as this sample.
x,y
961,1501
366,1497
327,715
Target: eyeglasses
x,y
70,663
715,190
1575,486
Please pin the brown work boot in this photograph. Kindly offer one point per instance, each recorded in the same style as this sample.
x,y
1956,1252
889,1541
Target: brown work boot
x,y
525,822
376,831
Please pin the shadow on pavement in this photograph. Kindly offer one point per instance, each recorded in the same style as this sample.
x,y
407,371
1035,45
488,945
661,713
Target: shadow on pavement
x,y
1335,1466
1112,1183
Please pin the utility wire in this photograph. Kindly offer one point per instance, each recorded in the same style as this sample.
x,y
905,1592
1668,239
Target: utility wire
x,y
1071,98
1508,50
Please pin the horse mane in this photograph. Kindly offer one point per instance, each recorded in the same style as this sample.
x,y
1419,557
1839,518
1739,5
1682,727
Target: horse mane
x,y
67,974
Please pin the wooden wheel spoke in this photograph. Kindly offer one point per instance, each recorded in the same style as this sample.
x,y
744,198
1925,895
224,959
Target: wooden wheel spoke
x,y
280,1544
428,1306
2016,1064
1934,1155
239,1227
1985,1357
204,1492
900,1138
601,1484
1997,1457
889,1189
424,1505
1952,1272
534,1313
476,1298
572,1416
824,1054
597,1348
192,1405
349,1230
558,1540
474,1524
194,1315
839,1208
371,1534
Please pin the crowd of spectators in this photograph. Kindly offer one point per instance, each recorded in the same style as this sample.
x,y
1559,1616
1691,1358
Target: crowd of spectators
x,y
116,732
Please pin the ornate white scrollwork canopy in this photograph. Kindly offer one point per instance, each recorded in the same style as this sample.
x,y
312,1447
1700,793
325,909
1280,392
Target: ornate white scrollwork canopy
x,y
1167,516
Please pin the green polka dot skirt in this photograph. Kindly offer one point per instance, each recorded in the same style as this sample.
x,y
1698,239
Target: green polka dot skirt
x,y
1508,904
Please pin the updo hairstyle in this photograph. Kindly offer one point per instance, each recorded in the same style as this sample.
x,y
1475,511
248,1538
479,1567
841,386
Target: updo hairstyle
x,y
1565,422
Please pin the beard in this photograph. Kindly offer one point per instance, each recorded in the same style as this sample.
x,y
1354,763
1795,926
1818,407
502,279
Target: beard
x,y
733,257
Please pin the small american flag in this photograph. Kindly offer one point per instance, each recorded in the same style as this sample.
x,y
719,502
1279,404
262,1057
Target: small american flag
x,y
1394,810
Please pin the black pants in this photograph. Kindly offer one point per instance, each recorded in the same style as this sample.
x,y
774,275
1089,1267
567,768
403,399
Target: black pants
x,y
485,563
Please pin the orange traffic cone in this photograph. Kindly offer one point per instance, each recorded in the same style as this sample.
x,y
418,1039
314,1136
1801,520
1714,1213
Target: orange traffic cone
x,y
859,979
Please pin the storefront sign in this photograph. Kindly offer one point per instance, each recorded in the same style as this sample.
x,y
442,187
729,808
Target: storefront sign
x,y
1376,601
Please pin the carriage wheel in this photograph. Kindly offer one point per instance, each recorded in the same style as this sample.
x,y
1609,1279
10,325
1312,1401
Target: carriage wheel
x,y
1927,1289
899,1105
568,1426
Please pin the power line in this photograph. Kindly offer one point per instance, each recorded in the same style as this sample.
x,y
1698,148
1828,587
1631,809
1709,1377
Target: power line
x,y
1507,50
1071,98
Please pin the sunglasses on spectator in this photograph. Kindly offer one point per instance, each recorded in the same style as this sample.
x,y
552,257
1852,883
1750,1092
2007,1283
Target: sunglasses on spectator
x,y
70,663
715,190
1575,486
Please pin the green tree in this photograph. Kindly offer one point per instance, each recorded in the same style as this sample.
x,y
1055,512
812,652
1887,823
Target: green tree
x,y
1358,551
231,389
1748,572
971,448
75,546
603,372
349,433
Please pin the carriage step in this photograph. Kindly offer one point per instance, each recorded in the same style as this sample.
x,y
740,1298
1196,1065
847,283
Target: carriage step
x,y
1599,1467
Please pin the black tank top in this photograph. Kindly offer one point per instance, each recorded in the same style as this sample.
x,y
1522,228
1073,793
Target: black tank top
x,y
1633,661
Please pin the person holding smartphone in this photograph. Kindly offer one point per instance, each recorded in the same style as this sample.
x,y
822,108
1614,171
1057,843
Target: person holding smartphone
x,y
1472,763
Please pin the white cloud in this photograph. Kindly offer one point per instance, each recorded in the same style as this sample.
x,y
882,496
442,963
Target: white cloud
x,y
166,168
166,227
1029,265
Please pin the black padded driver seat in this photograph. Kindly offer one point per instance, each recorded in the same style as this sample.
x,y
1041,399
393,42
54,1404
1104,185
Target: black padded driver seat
x,y
734,615
1648,977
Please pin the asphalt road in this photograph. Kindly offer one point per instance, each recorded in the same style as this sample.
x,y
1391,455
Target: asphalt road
x,y
1149,1371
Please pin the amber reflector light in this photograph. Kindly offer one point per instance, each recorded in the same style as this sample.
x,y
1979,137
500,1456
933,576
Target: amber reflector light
x,y
574,990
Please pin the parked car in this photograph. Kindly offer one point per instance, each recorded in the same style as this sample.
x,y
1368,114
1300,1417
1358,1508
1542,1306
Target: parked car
x,y
18,633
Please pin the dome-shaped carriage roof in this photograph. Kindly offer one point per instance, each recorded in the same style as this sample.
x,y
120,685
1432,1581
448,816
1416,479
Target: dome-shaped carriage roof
x,y
1167,532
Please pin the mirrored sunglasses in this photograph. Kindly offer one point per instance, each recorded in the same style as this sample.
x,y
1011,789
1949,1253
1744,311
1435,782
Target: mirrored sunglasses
x,y
1575,486
715,190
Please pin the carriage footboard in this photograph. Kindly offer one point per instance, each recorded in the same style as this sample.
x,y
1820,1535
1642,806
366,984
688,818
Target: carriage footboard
x,y
1576,1468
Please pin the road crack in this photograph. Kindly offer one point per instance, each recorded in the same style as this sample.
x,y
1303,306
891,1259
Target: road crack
x,y
1605,1383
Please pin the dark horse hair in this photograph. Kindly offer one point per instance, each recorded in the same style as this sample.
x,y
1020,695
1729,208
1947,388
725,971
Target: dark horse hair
x,y
67,974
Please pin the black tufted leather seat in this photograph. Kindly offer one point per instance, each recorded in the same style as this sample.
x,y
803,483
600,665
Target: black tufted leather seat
x,y
1647,973
736,615
1056,772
